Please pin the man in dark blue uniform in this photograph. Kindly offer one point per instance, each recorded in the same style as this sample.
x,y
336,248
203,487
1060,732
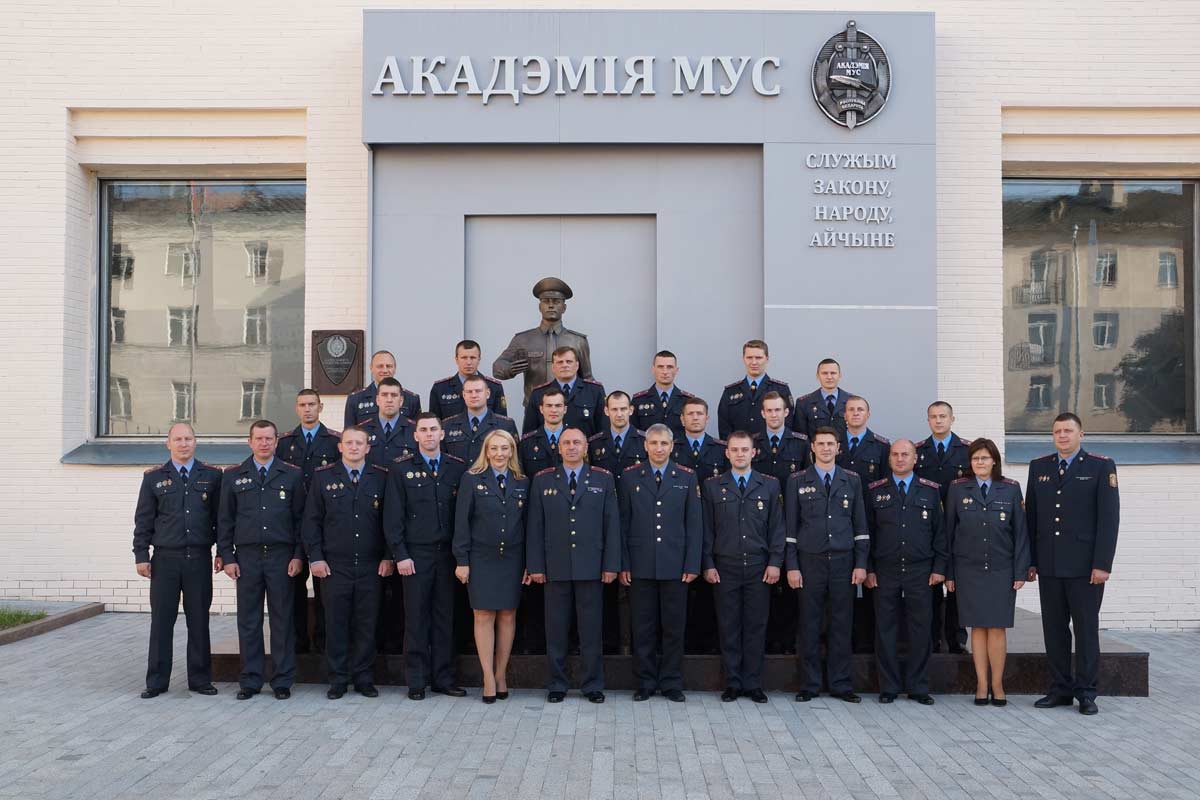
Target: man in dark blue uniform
x,y
389,433
827,550
662,535
826,406
742,557
740,407
362,405
1073,510
258,540
573,547
662,402
419,521
908,555
309,446
343,533
177,515
584,396
942,458
446,396
465,432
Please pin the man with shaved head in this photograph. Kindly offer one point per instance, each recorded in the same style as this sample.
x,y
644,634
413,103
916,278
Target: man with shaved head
x,y
177,516
907,556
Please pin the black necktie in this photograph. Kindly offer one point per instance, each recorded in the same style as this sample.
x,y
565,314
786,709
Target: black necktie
x,y
553,440
828,483
742,484
354,476
1062,467
658,478
853,444
566,389
474,424
308,439
433,465
183,474
941,451
753,387
831,405
387,430
696,449
774,442
903,495
500,482
262,474
617,444
573,484
983,490
663,397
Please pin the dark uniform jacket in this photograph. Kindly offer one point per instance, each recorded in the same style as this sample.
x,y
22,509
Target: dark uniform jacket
x,y
648,409
461,442
662,527
820,523
906,535
749,528
812,412
535,452
602,453
172,515
419,508
953,465
343,524
739,410
585,406
385,450
573,540
445,396
295,450
709,463
488,522
791,455
254,513
989,534
1073,521
869,459
361,405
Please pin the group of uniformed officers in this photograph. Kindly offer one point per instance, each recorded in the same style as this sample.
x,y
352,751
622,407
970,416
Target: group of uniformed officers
x,y
772,531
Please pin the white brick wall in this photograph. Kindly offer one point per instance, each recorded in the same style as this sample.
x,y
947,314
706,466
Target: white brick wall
x,y
65,531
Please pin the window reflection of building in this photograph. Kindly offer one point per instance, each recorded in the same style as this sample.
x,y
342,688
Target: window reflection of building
x,y
232,295
1092,271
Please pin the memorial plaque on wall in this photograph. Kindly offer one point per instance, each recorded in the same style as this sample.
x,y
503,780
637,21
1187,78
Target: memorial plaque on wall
x,y
337,361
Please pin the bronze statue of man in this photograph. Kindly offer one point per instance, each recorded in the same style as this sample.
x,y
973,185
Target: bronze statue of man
x,y
529,351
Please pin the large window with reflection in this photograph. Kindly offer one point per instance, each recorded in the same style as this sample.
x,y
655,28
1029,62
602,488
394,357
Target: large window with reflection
x,y
1099,314
203,304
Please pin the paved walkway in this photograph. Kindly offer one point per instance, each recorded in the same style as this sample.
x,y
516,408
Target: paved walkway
x,y
74,727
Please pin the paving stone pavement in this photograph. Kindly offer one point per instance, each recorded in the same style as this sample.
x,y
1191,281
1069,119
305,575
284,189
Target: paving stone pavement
x,y
74,727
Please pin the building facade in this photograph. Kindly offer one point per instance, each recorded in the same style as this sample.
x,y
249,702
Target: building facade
x,y
187,196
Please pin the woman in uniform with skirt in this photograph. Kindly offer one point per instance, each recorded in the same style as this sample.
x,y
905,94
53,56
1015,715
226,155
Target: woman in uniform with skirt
x,y
989,558
489,548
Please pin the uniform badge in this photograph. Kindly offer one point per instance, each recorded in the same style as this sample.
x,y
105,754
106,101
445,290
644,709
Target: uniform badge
x,y
282,494
328,487
158,485
587,412
479,486
168,482
737,396
1112,480
600,452
760,505
774,451
637,488
870,467
535,448
793,466
409,476
845,502
324,462
377,502
924,513
1003,516
293,447
204,496
960,472
966,501
520,503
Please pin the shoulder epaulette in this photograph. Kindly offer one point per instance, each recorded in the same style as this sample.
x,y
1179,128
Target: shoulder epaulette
x,y
784,384
882,439
1010,481
379,466
713,478
642,393
151,469
454,418
684,393
487,378
532,433
541,386
545,471
799,435
719,441
405,390
454,458
406,457
961,480
767,477
596,436
501,416
754,437
592,381
631,466
1046,457
637,432
878,483
577,333
232,468
601,470
205,464
929,483
286,464
851,472
1097,455
333,432
448,377
735,383
286,434
327,466
928,440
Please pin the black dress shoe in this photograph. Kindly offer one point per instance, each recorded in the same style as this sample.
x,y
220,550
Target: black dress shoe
x,y
246,694
674,695
152,693
491,698
757,695
848,697
803,696
923,699
335,692
283,693
887,697
367,690
416,694
642,694
594,697
1088,707
999,702
450,691
502,695
554,697
1054,700
729,695
207,689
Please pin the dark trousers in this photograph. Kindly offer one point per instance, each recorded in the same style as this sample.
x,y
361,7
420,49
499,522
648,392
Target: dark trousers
x,y
781,624
1074,601
264,572
702,618
187,572
903,595
305,641
659,617
429,617
586,599
389,633
862,639
945,619
743,603
531,620
826,586
351,595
